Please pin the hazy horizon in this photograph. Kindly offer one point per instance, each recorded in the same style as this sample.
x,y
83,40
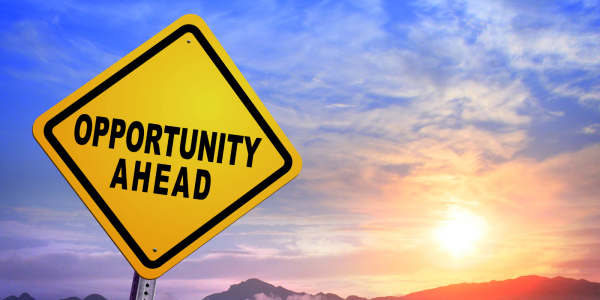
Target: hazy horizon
x,y
517,288
442,142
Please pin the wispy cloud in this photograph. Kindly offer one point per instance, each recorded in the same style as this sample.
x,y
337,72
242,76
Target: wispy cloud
x,y
56,60
314,220
591,129
41,232
339,105
44,214
262,296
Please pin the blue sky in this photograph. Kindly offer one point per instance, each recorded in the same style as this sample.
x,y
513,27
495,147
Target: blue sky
x,y
412,118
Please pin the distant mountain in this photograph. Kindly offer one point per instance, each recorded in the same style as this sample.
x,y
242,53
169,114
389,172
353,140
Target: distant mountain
x,y
94,297
23,296
247,289
388,298
356,298
521,288
26,296
328,296
251,287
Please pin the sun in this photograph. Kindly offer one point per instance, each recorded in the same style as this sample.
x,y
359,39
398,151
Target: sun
x,y
459,233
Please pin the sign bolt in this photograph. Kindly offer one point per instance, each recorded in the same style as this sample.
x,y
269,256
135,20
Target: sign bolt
x,y
154,249
189,41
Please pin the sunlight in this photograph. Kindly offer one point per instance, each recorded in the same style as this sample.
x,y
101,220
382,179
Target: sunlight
x,y
460,232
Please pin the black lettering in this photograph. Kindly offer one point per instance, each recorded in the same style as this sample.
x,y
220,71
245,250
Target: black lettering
x,y
98,132
160,178
114,133
221,148
181,183
251,149
171,131
207,146
88,129
120,176
140,128
138,175
199,175
188,154
234,139
152,139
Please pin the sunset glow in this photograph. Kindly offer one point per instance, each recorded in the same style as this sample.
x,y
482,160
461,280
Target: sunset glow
x,y
459,234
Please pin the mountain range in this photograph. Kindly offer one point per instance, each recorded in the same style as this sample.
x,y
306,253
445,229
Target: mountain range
x,y
521,288
26,296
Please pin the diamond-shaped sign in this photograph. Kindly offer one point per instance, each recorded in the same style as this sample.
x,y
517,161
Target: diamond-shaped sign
x,y
168,146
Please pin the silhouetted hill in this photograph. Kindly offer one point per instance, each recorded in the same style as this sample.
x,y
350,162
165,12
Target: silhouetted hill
x,y
23,296
26,296
94,297
354,297
251,287
247,289
521,288
388,298
328,296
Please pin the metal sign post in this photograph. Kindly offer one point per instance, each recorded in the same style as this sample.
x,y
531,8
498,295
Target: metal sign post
x,y
141,288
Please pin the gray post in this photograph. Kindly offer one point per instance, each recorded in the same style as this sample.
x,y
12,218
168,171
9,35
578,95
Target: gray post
x,y
141,288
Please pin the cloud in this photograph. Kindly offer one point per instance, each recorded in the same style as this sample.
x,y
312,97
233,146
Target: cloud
x,y
339,105
42,232
591,129
56,60
262,296
29,38
304,297
44,214
580,264
577,173
64,265
314,220
322,246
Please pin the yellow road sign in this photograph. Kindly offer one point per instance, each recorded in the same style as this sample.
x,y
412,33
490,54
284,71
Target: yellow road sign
x,y
168,146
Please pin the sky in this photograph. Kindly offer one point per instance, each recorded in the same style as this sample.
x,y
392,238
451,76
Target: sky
x,y
442,142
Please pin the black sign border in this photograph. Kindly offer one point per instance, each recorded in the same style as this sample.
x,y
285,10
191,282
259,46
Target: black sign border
x,y
153,264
